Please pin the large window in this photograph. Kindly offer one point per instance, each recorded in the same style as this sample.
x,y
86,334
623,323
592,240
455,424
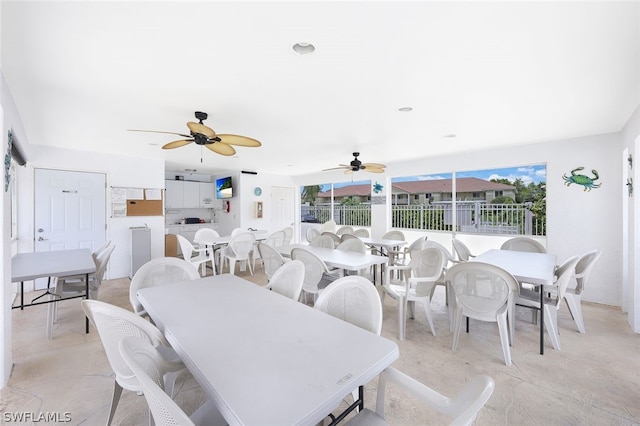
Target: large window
x,y
492,201
347,203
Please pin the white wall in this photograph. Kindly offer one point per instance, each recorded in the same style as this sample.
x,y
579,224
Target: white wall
x,y
248,199
9,120
631,220
121,171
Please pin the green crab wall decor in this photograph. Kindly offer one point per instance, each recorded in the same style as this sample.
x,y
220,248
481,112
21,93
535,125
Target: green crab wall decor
x,y
586,181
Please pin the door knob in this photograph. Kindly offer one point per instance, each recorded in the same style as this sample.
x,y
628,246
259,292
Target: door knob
x,y
42,239
40,230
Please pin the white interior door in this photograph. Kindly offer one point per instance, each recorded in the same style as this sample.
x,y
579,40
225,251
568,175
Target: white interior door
x,y
282,207
70,211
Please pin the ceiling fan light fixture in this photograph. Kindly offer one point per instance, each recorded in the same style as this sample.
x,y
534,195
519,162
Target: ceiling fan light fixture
x,y
303,48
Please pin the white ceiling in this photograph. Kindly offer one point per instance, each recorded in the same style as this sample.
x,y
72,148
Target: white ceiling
x,y
493,74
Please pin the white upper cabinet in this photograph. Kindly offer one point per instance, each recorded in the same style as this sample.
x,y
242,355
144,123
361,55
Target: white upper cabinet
x,y
173,195
181,194
191,195
207,194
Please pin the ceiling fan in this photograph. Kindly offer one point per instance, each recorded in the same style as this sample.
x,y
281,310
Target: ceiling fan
x,y
206,136
356,165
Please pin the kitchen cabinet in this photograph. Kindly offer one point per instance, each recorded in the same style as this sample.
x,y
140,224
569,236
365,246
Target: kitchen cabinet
x,y
191,195
173,194
207,195
181,194
188,231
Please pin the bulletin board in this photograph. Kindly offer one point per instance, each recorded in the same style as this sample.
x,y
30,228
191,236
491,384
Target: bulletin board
x,y
136,202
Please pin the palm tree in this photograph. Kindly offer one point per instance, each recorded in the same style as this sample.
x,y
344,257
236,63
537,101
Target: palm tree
x,y
310,193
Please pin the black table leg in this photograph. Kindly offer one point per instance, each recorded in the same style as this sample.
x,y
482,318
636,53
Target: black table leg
x,y
86,296
541,321
21,295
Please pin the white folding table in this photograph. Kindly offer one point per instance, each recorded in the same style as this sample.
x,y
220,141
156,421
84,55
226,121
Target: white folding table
x,y
57,263
532,268
262,358
383,245
347,260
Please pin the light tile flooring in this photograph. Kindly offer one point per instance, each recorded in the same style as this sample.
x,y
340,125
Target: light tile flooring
x,y
594,379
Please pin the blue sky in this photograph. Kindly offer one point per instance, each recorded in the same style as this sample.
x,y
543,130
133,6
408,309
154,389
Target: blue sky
x,y
531,173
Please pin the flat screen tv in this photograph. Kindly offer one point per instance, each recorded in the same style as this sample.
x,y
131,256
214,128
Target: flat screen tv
x,y
224,188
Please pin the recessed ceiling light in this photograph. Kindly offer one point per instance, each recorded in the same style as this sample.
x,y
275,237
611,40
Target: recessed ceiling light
x,y
405,109
450,135
153,144
303,48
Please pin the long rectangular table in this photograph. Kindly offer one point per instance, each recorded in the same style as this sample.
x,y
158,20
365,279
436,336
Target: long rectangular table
x,y
262,358
347,260
57,263
532,268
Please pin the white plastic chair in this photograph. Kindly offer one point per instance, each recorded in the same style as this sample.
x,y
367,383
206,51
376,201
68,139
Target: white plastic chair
x,y
328,226
316,273
573,296
336,239
403,256
363,233
392,235
113,324
158,272
147,365
450,260
462,251
202,255
462,408
347,237
312,234
288,279
64,287
325,241
531,299
101,249
425,268
345,229
288,235
203,239
204,236
239,250
354,245
275,239
484,292
523,244
272,260
353,299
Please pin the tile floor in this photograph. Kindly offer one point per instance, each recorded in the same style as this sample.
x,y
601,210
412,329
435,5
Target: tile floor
x,y
594,379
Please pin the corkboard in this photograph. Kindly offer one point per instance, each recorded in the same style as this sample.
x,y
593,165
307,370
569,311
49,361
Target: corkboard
x,y
136,202
144,207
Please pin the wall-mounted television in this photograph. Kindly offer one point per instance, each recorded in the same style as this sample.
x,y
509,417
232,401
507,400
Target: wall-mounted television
x,y
224,188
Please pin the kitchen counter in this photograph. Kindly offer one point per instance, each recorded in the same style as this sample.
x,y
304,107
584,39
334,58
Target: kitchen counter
x,y
188,231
